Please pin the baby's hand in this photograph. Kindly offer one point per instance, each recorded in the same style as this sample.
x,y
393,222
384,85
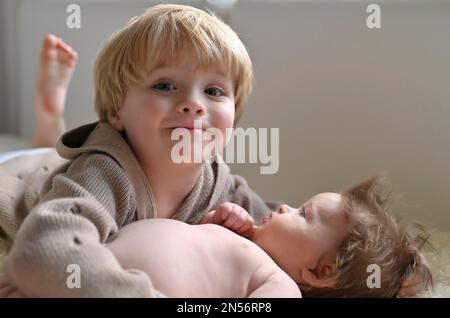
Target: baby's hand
x,y
233,217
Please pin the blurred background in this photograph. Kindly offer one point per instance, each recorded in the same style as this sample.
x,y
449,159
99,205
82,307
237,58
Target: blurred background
x,y
349,101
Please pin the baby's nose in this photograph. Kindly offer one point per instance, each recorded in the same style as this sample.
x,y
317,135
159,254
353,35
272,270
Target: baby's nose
x,y
282,209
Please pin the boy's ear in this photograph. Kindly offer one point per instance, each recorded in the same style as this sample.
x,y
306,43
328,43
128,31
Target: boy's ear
x,y
115,121
320,277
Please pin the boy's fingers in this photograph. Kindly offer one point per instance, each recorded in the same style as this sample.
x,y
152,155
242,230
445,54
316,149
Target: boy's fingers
x,y
221,215
230,221
226,206
248,221
249,233
245,227
238,224
208,218
223,212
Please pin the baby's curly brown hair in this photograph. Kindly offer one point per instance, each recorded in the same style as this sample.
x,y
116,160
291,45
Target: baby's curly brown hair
x,y
375,238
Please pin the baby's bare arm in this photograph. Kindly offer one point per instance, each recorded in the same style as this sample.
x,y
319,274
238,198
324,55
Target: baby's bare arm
x,y
278,284
269,280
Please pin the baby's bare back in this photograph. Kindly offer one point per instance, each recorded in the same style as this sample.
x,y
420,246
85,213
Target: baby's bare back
x,y
193,260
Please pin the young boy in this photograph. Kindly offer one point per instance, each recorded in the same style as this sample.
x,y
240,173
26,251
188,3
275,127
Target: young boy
x,y
326,247
83,204
168,67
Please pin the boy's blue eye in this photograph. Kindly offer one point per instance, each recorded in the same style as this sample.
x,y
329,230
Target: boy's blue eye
x,y
214,91
164,86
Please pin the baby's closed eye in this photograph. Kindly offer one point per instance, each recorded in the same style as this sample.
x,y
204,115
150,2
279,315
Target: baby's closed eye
x,y
302,211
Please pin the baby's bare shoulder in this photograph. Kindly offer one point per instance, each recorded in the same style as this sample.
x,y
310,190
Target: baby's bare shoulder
x,y
242,249
269,280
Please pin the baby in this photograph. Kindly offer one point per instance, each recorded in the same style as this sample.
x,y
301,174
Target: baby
x,y
324,247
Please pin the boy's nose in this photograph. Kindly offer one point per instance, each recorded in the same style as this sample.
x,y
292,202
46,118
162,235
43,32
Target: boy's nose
x,y
194,107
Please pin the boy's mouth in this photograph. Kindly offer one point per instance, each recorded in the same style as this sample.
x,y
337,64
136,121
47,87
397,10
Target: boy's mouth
x,y
189,127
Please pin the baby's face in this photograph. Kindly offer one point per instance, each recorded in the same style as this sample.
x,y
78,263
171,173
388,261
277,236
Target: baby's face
x,y
173,96
297,239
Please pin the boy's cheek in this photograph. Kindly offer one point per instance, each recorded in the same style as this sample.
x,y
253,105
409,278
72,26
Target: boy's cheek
x,y
223,121
228,117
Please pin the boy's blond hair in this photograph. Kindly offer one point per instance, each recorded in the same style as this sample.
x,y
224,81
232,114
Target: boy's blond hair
x,y
375,238
162,34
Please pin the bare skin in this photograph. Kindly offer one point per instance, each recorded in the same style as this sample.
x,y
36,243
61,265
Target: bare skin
x,y
215,260
57,64
205,260
225,264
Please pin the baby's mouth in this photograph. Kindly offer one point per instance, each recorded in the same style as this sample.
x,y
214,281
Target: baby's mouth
x,y
266,218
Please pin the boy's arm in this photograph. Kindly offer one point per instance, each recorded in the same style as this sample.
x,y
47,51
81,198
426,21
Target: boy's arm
x,y
59,250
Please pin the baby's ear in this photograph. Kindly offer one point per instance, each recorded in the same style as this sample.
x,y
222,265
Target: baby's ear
x,y
115,121
320,277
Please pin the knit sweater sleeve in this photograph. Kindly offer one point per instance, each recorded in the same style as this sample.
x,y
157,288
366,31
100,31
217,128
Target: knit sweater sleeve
x,y
60,250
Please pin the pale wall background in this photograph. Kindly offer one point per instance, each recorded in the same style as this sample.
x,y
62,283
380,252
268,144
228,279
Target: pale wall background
x,y
349,101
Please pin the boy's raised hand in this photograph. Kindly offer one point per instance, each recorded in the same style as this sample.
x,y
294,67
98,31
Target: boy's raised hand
x,y
233,217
